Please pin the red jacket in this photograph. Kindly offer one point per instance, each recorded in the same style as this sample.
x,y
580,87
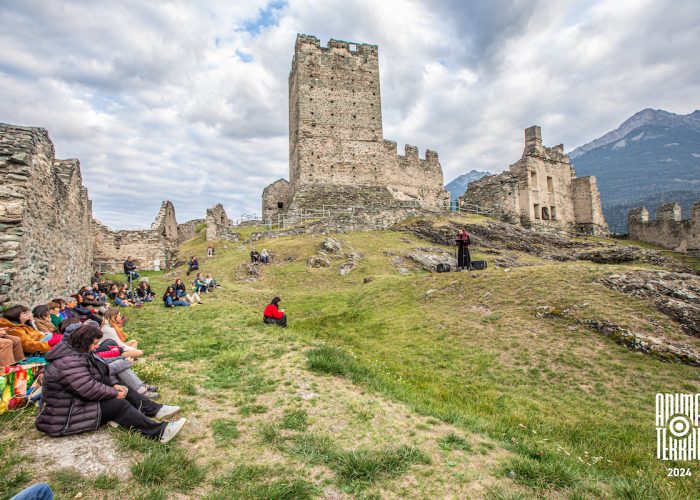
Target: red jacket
x,y
271,311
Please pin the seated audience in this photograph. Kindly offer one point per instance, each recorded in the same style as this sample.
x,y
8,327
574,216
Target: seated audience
x,y
75,304
130,269
265,257
254,256
199,284
181,292
55,312
171,298
20,323
122,301
112,330
210,251
79,395
42,321
113,291
273,315
10,348
144,292
180,288
96,278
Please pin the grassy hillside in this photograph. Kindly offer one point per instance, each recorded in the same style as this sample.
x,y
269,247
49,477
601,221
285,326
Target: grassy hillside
x,y
416,384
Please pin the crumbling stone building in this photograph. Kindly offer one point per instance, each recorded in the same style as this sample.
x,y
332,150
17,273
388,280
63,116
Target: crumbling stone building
x,y
49,242
151,248
668,230
45,217
337,152
541,191
218,225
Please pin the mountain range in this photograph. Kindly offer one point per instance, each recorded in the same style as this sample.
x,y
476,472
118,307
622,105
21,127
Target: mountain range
x,y
458,186
652,158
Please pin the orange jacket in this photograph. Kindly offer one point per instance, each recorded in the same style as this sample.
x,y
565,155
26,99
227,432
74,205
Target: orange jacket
x,y
30,338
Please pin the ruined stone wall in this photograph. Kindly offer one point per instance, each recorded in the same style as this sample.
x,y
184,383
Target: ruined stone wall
x,y
541,191
111,248
219,226
668,229
188,230
44,219
276,199
336,138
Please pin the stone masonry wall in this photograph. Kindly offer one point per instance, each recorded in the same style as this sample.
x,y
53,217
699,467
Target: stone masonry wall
x,y
44,219
187,230
668,229
541,191
336,138
276,199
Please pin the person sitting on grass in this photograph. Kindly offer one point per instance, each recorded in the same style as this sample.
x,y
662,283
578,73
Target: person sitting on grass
x,y
79,395
264,256
55,312
192,265
171,299
144,292
62,312
181,292
254,256
273,315
112,330
42,320
20,323
10,349
211,282
199,284
75,304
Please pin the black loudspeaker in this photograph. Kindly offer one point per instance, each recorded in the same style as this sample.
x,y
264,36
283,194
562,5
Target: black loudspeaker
x,y
443,268
479,265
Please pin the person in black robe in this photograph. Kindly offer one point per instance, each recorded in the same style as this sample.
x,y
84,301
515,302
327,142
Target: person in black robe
x,y
463,257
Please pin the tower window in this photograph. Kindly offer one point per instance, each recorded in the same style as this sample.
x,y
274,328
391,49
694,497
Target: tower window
x,y
280,204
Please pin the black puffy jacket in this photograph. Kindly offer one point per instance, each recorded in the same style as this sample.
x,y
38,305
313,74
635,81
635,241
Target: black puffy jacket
x,y
74,384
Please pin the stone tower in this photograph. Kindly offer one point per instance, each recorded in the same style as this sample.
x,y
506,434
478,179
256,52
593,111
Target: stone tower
x,y
337,152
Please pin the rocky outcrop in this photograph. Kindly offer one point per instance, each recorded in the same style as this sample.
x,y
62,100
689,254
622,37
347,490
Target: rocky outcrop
x,y
318,260
675,294
429,258
663,349
331,245
497,238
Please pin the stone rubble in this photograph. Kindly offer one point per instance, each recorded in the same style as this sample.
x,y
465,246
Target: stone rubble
x,y
675,294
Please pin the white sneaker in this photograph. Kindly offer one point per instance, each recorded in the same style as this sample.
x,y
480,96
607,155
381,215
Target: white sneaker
x,y
112,423
167,411
172,429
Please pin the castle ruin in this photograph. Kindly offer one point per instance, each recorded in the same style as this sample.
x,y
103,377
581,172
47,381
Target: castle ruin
x,y
49,241
541,191
668,230
338,156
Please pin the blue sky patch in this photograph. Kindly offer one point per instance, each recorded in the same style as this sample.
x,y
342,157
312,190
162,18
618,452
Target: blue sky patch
x,y
268,16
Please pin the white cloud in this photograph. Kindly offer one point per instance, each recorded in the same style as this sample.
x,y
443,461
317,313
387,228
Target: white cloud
x,y
188,102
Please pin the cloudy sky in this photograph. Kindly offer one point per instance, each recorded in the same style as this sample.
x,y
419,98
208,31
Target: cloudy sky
x,y
187,101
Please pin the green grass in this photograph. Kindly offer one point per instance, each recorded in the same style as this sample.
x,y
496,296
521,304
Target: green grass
x,y
568,411
261,482
360,466
166,465
295,419
225,430
454,442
